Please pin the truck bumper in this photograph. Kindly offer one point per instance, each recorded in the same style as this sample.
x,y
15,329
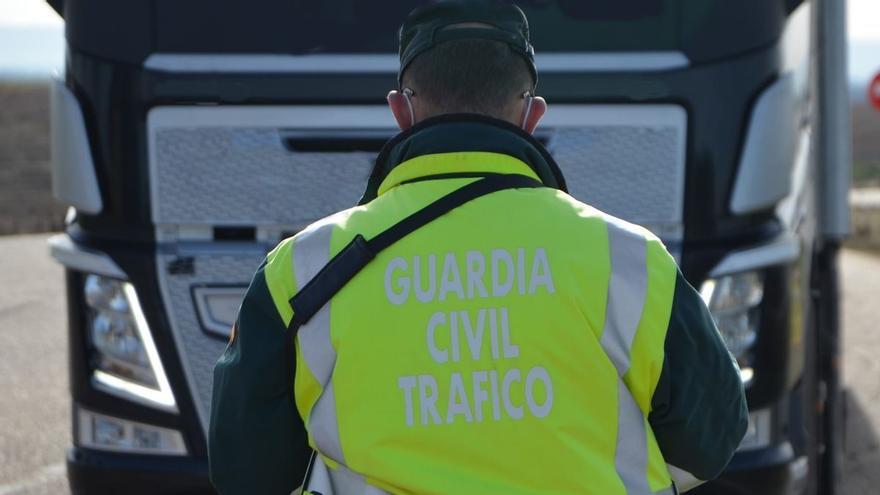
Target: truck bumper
x,y
92,472
771,471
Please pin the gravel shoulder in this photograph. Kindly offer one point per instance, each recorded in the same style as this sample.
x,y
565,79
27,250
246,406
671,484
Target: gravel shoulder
x,y
860,277
26,202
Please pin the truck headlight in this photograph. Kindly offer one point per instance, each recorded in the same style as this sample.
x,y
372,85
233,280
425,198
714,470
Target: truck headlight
x,y
735,303
125,360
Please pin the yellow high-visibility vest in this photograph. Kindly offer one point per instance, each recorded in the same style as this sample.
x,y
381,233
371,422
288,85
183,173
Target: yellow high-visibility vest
x,y
510,346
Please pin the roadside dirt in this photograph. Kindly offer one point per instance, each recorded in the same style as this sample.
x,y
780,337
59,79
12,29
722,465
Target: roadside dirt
x,y
26,202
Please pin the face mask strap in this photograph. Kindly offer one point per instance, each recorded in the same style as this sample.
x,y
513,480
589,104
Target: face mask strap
x,y
408,94
529,100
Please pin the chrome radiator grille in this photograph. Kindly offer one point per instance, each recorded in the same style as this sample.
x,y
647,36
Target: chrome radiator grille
x,y
199,349
626,160
245,176
624,172
230,166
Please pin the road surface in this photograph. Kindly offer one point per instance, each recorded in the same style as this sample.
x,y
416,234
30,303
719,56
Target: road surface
x,y
35,409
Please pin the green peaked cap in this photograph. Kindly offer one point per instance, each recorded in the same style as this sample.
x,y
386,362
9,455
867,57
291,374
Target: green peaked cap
x,y
424,28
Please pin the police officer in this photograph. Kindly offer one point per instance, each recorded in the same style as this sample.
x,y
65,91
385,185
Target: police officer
x,y
470,327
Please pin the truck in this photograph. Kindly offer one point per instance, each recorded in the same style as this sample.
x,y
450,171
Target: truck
x,y
189,138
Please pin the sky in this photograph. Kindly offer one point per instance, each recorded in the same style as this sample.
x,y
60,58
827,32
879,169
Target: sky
x,y
864,45
32,39
864,20
28,13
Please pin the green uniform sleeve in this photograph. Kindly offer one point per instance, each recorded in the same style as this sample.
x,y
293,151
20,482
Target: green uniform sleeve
x,y
256,439
699,413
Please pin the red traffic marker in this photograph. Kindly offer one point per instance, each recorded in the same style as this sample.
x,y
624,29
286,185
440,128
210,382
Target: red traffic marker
x,y
874,92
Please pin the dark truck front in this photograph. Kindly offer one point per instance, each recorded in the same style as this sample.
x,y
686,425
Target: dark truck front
x,y
190,137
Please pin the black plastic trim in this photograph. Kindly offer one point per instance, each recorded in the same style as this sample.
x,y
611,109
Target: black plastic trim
x,y
92,472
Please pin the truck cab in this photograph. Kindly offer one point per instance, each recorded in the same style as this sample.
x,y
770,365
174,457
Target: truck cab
x,y
189,138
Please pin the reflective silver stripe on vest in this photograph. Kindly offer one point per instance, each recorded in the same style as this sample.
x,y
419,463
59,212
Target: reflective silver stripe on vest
x,y
627,291
311,252
339,481
631,456
324,426
626,294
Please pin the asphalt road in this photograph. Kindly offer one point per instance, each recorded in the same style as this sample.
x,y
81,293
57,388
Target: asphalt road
x,y
35,409
34,401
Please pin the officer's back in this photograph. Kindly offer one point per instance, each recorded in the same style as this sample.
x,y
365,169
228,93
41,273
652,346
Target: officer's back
x,y
522,342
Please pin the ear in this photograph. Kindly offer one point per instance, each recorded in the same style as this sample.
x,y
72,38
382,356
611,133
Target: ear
x,y
535,113
401,109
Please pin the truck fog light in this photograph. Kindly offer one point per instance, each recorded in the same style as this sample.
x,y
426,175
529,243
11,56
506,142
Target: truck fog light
x,y
735,301
106,431
102,432
125,360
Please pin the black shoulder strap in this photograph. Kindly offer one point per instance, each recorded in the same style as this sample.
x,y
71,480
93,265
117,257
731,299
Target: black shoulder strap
x,y
359,252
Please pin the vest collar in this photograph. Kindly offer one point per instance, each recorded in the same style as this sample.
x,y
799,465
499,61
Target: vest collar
x,y
460,145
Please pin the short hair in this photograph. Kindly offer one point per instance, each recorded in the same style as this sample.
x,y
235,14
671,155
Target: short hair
x,y
469,76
